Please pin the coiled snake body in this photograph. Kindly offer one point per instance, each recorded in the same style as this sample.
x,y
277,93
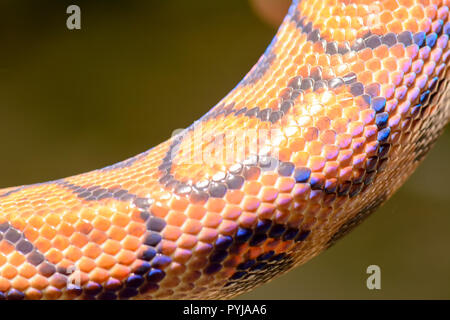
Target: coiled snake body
x,y
336,114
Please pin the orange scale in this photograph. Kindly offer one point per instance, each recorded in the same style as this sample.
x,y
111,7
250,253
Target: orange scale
x,y
310,133
265,210
60,242
358,163
207,235
299,61
291,71
281,216
366,54
324,60
352,33
98,237
31,234
332,23
343,69
323,123
331,169
196,211
396,77
430,12
135,229
300,158
355,128
78,239
42,244
129,243
85,227
417,12
234,196
86,265
345,157
227,227
99,275
382,76
159,210
252,187
390,63
358,144
120,272
339,35
33,294
232,212
86,213
73,253
395,26
247,219
371,148
386,17
20,283
373,65
52,293
336,60
297,144
187,241
411,25
339,125
16,258
116,233
251,203
175,269
345,173
212,220
171,233
192,226
356,67
316,163
182,255
215,204
304,71
315,147
103,211
269,179
36,221
334,112
176,218
106,261
125,257
405,64
401,14
269,194
398,51
8,272
360,102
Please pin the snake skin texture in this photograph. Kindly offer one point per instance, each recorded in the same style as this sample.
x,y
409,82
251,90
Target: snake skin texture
x,y
337,113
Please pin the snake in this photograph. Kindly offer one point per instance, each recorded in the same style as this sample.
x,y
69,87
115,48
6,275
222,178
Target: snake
x,y
337,113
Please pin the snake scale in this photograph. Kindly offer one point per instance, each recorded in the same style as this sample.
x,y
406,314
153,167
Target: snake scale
x,y
337,113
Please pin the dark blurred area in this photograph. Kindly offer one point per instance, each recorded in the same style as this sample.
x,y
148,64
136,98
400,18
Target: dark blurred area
x,y
73,101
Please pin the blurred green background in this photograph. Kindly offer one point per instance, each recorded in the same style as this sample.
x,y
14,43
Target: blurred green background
x,y
73,101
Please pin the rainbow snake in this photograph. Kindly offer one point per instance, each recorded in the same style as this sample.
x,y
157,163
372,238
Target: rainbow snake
x,y
337,113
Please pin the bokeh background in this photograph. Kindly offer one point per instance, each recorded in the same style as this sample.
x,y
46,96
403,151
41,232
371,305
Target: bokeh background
x,y
73,101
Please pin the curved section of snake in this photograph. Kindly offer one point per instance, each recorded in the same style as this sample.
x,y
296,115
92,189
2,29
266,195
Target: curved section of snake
x,y
337,113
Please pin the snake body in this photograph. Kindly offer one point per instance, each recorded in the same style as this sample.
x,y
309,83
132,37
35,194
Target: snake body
x,y
337,113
